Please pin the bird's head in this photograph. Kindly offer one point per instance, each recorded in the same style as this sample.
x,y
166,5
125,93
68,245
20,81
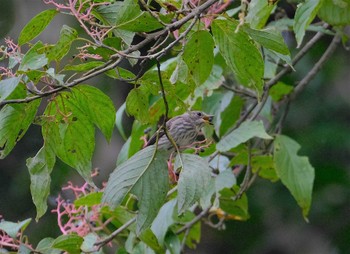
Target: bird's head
x,y
200,118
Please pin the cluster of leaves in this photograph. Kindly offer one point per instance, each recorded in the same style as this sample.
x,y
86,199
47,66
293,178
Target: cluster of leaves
x,y
223,62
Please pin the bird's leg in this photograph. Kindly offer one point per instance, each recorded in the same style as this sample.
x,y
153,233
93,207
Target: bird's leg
x,y
198,146
144,139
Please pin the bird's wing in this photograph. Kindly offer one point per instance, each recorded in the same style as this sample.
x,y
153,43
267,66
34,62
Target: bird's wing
x,y
160,132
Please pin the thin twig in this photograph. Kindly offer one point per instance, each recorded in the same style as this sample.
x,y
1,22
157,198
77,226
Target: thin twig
x,y
144,5
248,172
115,233
317,67
296,59
194,221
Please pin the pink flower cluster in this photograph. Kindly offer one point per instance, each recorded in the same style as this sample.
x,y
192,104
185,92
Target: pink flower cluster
x,y
78,219
81,10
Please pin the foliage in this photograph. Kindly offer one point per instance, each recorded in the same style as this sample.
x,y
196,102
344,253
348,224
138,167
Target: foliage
x,y
218,57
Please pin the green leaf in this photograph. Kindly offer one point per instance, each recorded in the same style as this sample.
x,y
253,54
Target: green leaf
x,y
83,67
225,179
146,176
70,133
240,53
69,243
33,60
243,133
12,228
134,143
97,106
269,38
295,172
67,36
180,73
335,12
119,121
173,244
225,107
90,199
144,22
119,12
258,13
198,55
264,165
137,104
36,25
150,239
236,208
45,246
88,246
278,91
194,177
304,15
230,114
120,73
7,86
164,220
14,122
194,236
40,168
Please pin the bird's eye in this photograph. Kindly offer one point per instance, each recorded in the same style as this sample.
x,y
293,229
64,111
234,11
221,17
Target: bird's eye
x,y
199,114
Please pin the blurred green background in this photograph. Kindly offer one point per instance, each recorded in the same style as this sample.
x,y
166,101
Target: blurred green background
x,y
319,120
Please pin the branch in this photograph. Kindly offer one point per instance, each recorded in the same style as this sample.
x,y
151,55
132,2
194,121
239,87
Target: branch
x,y
189,224
114,234
317,67
118,57
296,59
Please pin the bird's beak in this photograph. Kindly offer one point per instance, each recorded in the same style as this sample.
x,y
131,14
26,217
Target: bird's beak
x,y
208,119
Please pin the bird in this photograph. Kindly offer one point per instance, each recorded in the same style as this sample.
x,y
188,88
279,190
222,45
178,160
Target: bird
x,y
183,129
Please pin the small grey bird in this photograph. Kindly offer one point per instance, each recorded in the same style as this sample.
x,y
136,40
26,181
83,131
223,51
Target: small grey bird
x,y
184,130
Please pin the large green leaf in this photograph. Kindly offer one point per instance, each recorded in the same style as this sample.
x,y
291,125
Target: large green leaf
x,y
305,14
69,132
258,13
164,220
243,133
118,13
40,168
269,38
83,67
240,53
144,22
69,243
12,228
14,122
61,48
36,25
137,104
237,208
7,86
198,55
194,178
145,175
295,172
335,13
97,106
33,60
151,240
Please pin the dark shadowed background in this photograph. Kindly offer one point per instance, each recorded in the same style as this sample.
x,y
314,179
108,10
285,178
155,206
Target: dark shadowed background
x,y
319,120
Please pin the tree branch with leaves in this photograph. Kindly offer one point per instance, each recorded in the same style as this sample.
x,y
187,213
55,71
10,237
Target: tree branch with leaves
x,y
224,58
